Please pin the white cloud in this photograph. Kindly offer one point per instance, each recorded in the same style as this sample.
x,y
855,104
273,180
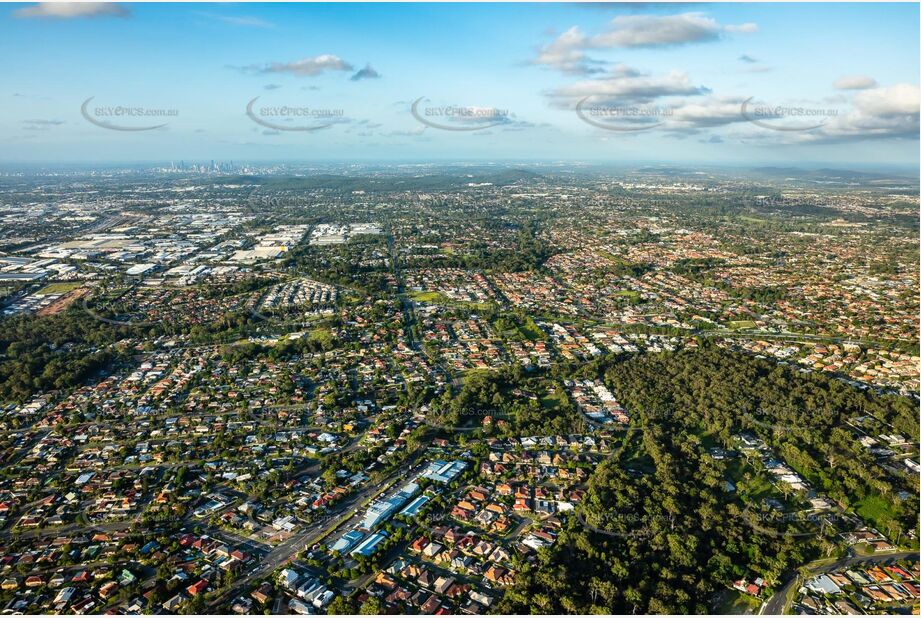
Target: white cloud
x,y
68,10
854,82
898,100
875,114
878,113
664,30
656,31
566,53
238,20
307,67
710,112
623,85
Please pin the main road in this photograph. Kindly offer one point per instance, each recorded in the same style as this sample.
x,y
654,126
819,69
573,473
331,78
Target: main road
x,y
776,605
287,550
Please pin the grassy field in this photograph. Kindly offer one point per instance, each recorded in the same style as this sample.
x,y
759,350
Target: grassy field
x,y
551,401
429,297
59,288
324,336
608,255
740,324
756,488
516,329
875,509
437,298
631,295
531,331
734,602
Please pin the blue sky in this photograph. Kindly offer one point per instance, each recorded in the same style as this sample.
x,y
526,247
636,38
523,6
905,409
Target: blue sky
x,y
707,83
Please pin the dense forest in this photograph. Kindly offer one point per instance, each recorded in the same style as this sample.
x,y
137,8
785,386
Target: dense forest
x,y
55,352
660,532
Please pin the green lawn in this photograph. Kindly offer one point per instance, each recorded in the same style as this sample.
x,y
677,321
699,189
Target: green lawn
x,y
437,298
734,602
607,255
754,490
740,324
631,295
323,336
59,288
875,509
551,401
429,297
511,328
531,331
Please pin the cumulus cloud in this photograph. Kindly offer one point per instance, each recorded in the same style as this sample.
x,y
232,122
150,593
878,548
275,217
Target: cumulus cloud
x,y
854,82
305,67
715,111
567,52
879,113
663,30
366,73
874,114
898,100
625,85
67,10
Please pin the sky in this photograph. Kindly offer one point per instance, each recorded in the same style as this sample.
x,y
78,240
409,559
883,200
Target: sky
x,y
734,83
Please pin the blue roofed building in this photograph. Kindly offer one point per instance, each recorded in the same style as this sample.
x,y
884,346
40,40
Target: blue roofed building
x,y
149,547
347,541
381,510
370,544
443,471
413,507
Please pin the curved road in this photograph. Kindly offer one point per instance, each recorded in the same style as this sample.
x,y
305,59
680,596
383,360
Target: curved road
x,y
775,605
